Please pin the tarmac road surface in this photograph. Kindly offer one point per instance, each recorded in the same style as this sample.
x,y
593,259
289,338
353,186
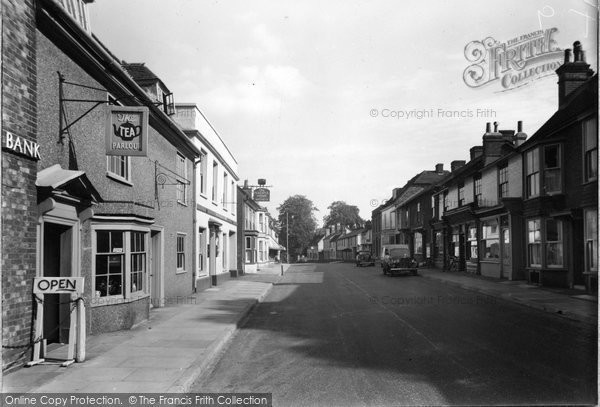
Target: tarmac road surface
x,y
335,334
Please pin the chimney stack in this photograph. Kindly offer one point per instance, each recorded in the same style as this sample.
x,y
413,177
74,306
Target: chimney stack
x,y
572,74
476,151
456,164
439,168
521,136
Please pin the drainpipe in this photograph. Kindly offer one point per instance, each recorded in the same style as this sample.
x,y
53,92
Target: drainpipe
x,y
195,227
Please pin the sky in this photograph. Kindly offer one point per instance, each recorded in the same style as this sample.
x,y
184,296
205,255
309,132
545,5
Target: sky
x,y
344,100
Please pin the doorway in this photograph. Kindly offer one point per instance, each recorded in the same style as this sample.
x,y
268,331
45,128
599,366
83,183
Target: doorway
x,y
57,262
156,299
506,253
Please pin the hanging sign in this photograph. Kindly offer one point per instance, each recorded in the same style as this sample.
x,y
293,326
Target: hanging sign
x,y
58,285
127,130
262,195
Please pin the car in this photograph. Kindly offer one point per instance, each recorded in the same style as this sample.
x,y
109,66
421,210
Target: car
x,y
364,259
396,259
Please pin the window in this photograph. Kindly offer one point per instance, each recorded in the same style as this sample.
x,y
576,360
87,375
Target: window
x,y
110,263
180,251
232,197
250,243
225,189
181,168
446,201
433,214
552,175
472,243
477,189
456,242
224,256
490,242
503,182
533,173
118,166
590,150
591,239
260,250
202,174
215,181
138,261
534,243
554,243
461,194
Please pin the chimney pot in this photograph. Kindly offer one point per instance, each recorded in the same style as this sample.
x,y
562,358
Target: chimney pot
x,y
488,127
519,126
567,55
495,127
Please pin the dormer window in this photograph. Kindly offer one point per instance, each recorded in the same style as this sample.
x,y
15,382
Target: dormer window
x,y
78,10
168,103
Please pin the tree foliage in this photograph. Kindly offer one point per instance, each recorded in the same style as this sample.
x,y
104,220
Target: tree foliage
x,y
344,214
299,212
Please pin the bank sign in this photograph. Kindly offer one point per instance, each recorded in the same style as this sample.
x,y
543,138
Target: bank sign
x,y
512,63
58,285
127,131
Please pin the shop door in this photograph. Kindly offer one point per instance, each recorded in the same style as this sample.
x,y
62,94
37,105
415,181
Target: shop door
x,y
57,260
506,253
155,269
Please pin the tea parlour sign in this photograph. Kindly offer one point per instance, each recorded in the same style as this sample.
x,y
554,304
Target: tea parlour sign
x,y
127,130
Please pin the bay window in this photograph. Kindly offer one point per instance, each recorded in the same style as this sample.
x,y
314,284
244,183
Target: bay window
x,y
490,242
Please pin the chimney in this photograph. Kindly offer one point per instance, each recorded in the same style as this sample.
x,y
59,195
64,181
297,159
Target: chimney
x,y
572,74
395,192
246,186
492,141
439,168
476,151
521,136
456,164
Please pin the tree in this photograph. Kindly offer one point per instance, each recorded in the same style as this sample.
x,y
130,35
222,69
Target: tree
x,y
344,214
298,211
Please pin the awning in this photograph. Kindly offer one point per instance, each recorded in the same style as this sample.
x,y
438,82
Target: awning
x,y
56,181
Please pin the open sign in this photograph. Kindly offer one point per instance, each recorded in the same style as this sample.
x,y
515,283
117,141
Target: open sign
x,y
58,285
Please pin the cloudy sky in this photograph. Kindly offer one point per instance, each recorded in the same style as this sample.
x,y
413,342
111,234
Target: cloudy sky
x,y
316,96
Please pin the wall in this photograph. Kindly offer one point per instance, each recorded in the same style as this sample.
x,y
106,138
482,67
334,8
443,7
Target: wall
x,y
19,195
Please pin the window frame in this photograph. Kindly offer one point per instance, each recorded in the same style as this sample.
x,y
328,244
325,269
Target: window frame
x,y
586,150
477,190
178,253
503,181
547,170
491,237
182,179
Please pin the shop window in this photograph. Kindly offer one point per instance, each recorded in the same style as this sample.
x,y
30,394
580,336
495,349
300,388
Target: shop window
x,y
456,244
503,181
110,263
418,243
472,243
490,239
554,243
552,170
439,244
119,166
532,173
590,150
180,252
138,261
591,240
181,167
534,243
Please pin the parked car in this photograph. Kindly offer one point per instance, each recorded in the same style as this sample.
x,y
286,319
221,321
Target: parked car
x,y
364,259
395,259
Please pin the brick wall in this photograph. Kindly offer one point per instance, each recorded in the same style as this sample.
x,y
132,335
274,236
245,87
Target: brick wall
x,y
19,199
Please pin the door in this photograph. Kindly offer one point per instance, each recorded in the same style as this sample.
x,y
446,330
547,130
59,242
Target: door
x,y
57,262
155,269
506,253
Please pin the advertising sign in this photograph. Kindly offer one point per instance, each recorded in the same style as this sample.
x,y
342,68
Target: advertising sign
x,y
58,285
127,130
262,195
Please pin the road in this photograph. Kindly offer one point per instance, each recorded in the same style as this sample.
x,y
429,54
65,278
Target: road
x,y
334,334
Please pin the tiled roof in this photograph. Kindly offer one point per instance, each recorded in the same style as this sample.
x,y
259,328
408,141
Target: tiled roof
x,y
142,74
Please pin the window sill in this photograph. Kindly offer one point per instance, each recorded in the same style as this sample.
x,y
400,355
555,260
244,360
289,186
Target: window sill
x,y
182,203
180,271
118,178
116,300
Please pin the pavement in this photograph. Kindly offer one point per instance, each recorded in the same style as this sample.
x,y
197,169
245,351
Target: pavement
x,y
164,354
179,342
573,304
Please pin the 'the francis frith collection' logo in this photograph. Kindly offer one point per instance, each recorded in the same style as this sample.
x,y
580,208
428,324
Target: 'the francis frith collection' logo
x,y
513,63
127,130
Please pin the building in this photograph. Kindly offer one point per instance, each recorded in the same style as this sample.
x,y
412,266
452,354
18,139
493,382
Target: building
x,y
248,230
560,184
215,171
275,248
124,223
